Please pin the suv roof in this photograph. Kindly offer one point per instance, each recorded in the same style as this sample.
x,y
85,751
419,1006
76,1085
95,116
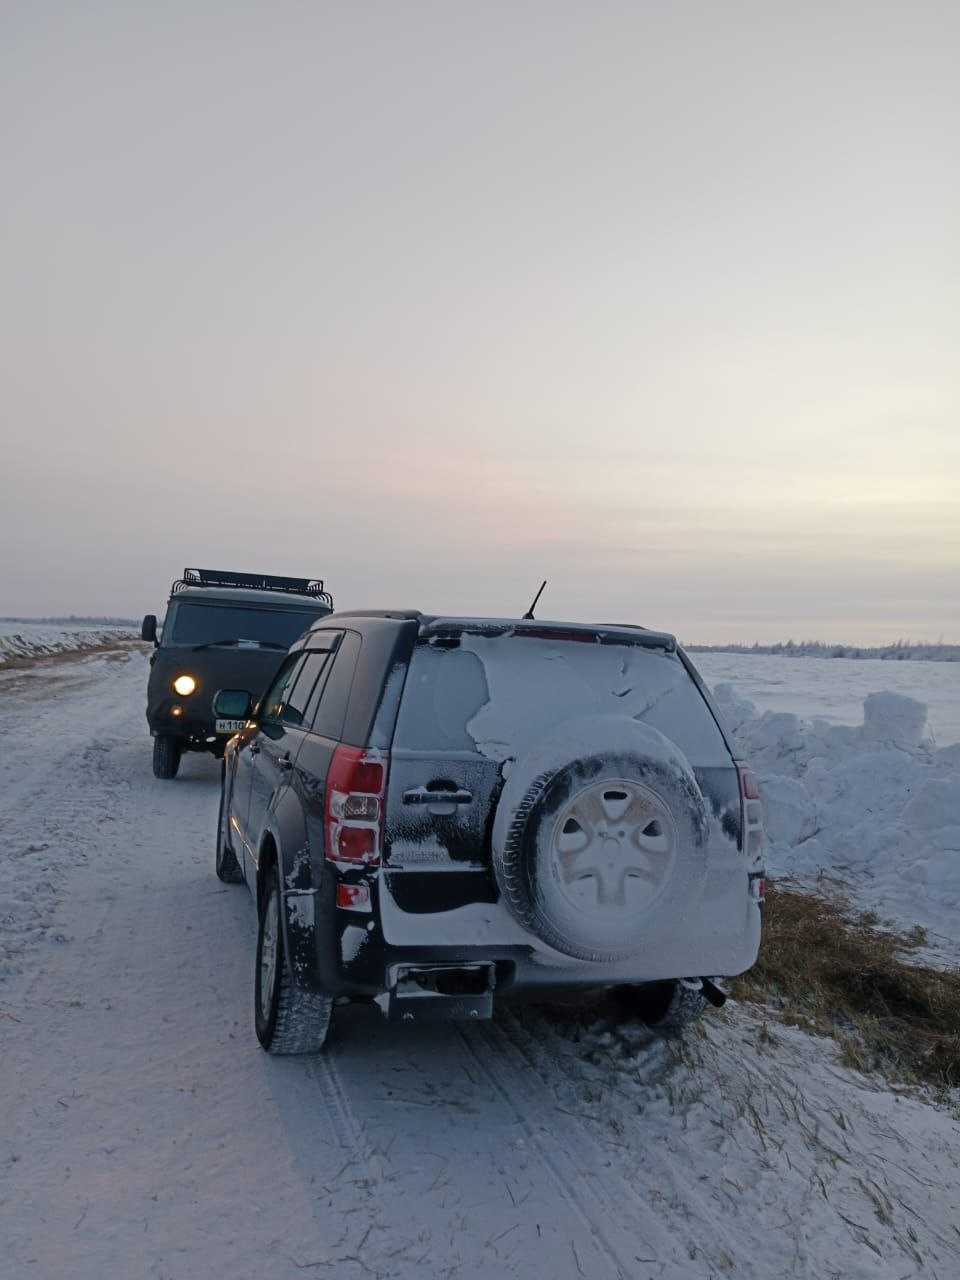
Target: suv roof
x,y
434,624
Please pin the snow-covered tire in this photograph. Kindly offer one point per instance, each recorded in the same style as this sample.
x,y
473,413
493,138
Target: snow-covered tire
x,y
591,846
228,868
166,756
288,1019
664,1006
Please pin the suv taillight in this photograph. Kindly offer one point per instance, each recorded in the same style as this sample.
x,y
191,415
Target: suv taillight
x,y
751,812
356,796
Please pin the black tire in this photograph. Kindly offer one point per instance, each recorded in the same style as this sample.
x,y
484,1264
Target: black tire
x,y
524,864
288,1019
166,756
228,867
663,1006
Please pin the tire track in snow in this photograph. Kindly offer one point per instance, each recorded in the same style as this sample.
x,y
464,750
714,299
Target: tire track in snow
x,y
323,1073
697,1230
55,806
510,1073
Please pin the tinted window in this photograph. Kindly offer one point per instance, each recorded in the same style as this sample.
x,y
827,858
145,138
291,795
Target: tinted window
x,y
328,706
499,695
201,623
271,708
298,694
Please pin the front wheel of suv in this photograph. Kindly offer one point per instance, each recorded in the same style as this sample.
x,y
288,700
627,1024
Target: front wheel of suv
x,y
288,1019
166,756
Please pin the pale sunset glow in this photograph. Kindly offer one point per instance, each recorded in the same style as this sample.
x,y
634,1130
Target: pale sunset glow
x,y
660,303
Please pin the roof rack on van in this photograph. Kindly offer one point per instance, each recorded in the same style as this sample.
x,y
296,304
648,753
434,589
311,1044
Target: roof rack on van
x,y
253,582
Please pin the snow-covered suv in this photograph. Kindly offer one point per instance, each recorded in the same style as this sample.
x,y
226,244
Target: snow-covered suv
x,y
435,811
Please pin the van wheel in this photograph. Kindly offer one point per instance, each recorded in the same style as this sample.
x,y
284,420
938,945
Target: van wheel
x,y
288,1019
166,756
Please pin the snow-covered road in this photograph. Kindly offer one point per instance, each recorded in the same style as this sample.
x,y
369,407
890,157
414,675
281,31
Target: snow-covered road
x,y
143,1133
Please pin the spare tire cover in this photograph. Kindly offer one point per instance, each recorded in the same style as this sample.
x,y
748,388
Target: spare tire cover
x,y
594,827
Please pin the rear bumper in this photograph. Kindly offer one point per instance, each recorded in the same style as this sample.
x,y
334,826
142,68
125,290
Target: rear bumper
x,y
360,954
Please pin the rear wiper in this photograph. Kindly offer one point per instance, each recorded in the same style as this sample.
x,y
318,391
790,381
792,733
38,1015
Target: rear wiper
x,y
261,644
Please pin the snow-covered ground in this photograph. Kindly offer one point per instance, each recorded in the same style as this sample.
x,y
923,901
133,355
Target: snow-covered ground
x,y
144,1134
834,688
32,639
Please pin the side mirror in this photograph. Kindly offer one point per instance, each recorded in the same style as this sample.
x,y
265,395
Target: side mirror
x,y
232,704
148,631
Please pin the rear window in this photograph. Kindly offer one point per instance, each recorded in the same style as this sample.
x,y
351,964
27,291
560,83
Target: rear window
x,y
195,623
498,695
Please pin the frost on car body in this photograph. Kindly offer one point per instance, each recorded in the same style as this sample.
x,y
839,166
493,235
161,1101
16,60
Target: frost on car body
x,y
492,806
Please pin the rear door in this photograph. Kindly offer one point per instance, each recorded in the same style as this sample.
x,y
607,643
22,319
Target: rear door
x,y
323,721
281,732
248,753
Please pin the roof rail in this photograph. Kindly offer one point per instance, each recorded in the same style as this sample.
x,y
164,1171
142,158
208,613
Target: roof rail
x,y
600,633
252,582
402,615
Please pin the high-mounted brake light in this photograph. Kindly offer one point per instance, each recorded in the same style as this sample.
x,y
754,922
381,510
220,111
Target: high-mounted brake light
x,y
356,794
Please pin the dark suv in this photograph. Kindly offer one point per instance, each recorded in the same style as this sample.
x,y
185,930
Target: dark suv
x,y
220,629
433,811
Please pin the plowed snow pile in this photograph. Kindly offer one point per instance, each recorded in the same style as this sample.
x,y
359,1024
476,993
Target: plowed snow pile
x,y
876,806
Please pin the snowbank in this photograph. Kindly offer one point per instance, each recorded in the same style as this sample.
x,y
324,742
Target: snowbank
x,y
875,806
33,641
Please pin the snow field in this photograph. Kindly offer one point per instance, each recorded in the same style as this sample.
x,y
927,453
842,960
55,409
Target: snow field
x,y
143,1133
31,640
834,689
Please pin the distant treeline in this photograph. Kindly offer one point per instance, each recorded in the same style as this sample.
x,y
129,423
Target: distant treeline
x,y
73,620
902,651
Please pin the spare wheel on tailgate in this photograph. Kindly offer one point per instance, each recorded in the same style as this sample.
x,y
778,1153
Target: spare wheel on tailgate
x,y
598,826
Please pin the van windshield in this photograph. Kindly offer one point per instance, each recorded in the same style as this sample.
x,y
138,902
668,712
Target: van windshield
x,y
194,623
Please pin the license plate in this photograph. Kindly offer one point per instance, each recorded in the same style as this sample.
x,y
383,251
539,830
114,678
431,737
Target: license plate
x,y
230,726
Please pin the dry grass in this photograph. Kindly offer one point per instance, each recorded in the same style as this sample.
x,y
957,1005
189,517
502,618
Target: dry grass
x,y
832,970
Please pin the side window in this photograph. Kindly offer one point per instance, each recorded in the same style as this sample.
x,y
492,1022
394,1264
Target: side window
x,y
296,697
327,708
271,706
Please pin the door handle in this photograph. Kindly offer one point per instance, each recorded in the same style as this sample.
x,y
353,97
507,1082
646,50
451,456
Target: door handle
x,y
426,795
284,761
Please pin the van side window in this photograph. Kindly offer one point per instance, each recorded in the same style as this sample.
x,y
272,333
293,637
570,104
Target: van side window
x,y
327,708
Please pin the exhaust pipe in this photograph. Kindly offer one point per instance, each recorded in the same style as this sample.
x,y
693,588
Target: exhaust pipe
x,y
713,993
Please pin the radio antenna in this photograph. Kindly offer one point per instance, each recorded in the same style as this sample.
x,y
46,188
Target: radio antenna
x,y
528,616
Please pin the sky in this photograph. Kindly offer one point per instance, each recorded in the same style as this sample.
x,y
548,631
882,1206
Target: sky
x,y
435,300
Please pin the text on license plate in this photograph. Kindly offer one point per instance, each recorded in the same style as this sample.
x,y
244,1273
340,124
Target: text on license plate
x,y
230,726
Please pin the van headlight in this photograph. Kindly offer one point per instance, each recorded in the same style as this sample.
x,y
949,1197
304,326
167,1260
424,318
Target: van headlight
x,y
184,685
